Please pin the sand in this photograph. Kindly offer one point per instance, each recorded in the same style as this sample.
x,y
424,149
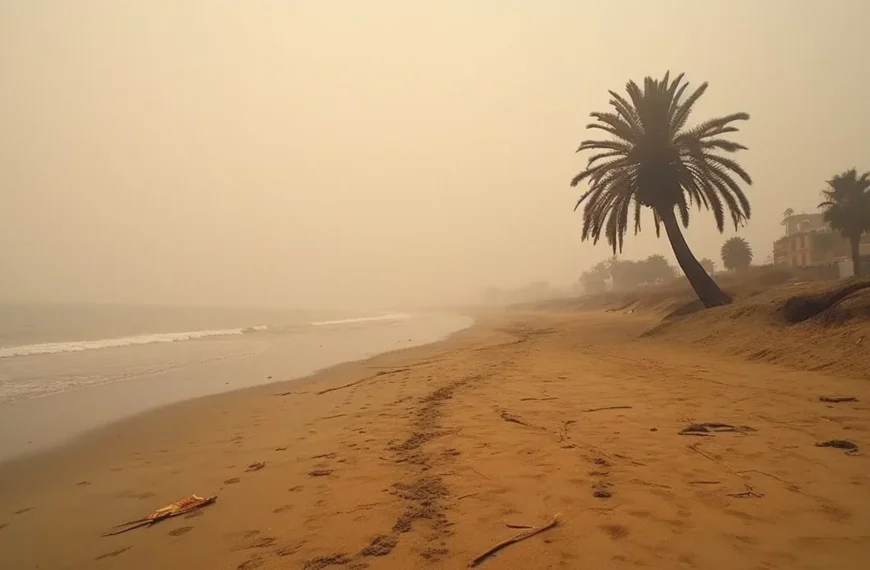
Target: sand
x,y
421,458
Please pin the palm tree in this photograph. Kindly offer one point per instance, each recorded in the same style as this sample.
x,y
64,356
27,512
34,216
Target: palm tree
x,y
736,253
653,160
847,209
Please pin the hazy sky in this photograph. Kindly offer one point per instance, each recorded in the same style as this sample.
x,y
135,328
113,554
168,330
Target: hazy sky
x,y
379,152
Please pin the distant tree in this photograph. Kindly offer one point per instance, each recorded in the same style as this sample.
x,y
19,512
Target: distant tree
x,y
595,279
736,253
788,212
827,245
653,159
847,209
624,273
709,265
629,273
656,269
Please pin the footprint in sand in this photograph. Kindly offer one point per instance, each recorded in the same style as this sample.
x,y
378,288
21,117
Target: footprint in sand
x,y
282,509
22,511
289,550
232,481
83,483
180,531
615,531
251,563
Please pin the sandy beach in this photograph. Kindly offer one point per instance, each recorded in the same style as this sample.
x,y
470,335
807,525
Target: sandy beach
x,y
425,458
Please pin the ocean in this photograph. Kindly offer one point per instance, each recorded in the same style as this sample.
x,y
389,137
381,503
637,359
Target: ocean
x,y
66,369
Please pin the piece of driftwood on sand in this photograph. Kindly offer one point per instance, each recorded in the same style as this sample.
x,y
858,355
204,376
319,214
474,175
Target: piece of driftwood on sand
x,y
519,537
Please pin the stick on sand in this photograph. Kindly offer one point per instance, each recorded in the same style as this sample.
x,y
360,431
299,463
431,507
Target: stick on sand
x,y
521,536
607,408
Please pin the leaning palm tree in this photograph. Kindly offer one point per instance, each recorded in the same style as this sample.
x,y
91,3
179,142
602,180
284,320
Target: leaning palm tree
x,y
652,159
847,209
736,253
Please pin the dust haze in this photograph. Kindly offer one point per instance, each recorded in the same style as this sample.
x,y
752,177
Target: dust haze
x,y
382,153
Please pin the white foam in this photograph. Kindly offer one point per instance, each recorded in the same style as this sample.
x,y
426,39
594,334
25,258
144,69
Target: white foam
x,y
388,317
80,345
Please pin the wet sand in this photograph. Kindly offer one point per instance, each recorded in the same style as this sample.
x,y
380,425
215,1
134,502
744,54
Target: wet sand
x,y
421,458
125,381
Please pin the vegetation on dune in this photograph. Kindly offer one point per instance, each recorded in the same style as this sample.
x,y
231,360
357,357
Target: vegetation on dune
x,y
736,254
652,159
846,207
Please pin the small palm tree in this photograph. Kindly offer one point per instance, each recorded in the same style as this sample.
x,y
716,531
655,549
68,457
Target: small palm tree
x,y
847,209
653,160
736,253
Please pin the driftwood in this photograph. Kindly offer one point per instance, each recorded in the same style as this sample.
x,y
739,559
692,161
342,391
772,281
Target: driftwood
x,y
791,486
606,408
513,419
749,493
184,506
849,447
709,428
696,450
521,536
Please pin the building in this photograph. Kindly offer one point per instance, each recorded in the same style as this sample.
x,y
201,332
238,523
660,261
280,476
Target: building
x,y
810,242
802,223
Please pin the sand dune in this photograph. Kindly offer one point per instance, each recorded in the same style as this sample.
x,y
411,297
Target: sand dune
x,y
421,458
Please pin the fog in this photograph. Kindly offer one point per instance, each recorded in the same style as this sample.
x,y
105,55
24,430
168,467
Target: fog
x,y
381,153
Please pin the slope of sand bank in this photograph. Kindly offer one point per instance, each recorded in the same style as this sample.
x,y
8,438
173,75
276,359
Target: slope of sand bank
x,y
805,325
422,458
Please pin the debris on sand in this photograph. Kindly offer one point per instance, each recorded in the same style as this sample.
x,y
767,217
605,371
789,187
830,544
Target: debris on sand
x,y
844,444
183,506
513,419
837,399
709,428
519,537
749,493
606,408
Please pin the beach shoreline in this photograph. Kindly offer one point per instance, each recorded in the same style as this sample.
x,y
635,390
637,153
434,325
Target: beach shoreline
x,y
228,365
418,458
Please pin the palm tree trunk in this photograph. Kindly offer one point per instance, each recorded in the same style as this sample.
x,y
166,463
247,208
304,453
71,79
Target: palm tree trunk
x,y
854,243
708,292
